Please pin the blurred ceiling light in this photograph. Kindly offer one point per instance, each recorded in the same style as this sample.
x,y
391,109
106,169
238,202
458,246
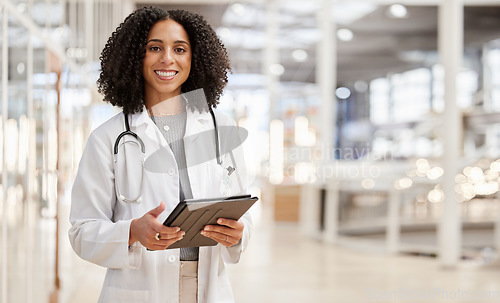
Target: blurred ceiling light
x,y
491,175
422,162
398,11
224,32
76,52
435,173
495,166
276,69
238,8
80,52
403,183
345,34
368,183
486,188
423,167
299,55
435,196
20,68
476,175
361,86
59,32
413,56
466,171
468,191
343,92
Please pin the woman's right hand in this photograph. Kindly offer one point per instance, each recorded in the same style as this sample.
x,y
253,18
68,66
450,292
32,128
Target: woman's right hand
x,y
146,228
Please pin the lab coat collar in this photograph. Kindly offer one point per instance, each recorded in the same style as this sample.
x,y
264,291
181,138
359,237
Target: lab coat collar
x,y
138,119
197,122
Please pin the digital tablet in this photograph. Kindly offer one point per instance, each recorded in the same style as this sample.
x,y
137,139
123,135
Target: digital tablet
x,y
192,215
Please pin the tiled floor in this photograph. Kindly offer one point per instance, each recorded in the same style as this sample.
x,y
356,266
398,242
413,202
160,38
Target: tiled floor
x,y
283,266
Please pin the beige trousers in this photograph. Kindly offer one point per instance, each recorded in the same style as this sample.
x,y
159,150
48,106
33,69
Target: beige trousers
x,y
188,284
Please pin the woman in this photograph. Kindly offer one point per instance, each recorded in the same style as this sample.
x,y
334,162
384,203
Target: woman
x,y
166,70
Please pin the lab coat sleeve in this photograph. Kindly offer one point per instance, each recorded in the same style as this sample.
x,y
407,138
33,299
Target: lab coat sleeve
x,y
94,235
231,255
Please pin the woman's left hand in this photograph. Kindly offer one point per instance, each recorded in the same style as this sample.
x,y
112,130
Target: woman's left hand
x,y
228,233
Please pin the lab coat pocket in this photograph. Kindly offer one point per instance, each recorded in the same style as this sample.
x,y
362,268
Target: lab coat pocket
x,y
117,295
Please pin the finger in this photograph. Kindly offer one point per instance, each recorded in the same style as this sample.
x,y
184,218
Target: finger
x,y
167,230
167,243
163,244
235,233
155,212
230,223
223,239
167,236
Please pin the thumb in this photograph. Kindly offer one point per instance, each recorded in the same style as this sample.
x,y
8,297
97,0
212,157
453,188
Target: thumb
x,y
155,212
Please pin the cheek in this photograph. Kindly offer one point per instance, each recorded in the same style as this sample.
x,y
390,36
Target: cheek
x,y
145,65
187,64
149,59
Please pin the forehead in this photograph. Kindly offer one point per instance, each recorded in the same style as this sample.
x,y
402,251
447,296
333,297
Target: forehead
x,y
168,30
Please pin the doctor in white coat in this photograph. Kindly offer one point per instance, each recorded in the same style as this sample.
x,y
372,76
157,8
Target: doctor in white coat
x,y
149,61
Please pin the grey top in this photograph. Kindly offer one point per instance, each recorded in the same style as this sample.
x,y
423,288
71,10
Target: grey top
x,y
173,129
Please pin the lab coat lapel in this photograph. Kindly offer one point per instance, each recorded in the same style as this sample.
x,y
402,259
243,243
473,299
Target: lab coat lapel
x,y
146,129
197,123
199,147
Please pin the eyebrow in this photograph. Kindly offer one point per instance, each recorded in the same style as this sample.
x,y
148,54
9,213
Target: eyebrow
x,y
161,41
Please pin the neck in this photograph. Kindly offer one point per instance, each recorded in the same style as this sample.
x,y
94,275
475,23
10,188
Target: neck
x,y
169,107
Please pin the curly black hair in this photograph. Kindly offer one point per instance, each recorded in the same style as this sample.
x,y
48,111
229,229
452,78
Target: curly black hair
x,y
121,80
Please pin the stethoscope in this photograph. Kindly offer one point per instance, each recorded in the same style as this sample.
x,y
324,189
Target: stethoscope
x,y
140,143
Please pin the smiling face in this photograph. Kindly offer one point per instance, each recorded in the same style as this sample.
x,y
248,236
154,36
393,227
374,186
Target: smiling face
x,y
167,62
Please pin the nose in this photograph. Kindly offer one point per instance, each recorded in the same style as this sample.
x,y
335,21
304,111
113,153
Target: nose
x,y
168,56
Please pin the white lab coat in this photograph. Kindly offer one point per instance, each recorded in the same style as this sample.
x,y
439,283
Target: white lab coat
x,y
101,222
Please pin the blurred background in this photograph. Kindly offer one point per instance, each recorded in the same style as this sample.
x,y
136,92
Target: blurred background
x,y
374,145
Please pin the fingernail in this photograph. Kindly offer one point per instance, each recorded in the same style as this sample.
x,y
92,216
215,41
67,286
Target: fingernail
x,y
182,233
207,227
177,229
219,221
203,232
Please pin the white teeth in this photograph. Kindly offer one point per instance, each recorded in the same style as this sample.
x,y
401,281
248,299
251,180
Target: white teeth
x,y
165,74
